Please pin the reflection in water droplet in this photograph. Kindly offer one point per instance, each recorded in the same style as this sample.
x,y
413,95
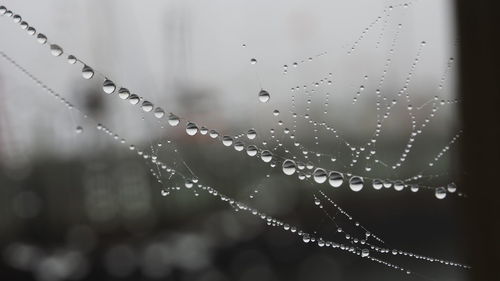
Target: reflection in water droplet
x,y
147,106
87,72
173,120
264,96
108,86
335,179
55,50
356,183
289,167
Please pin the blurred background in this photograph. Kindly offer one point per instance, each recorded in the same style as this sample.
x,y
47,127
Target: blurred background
x,y
80,206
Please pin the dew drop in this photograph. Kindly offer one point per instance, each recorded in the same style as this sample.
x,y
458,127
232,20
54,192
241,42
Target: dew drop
x,y
41,38
289,167
79,130
452,187
239,146
264,96
335,179
191,129
276,112
440,192
108,86
72,59
159,113
87,72
173,120
252,150
227,140
414,187
123,93
377,184
213,134
356,183
266,156
253,61
133,99
365,253
203,130
319,175
399,185
55,50
251,134
146,106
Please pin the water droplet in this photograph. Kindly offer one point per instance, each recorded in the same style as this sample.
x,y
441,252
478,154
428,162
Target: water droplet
x,y
239,146
41,38
213,134
264,96
159,113
266,156
319,175
252,150
87,72
399,185
71,59
335,179
251,134
173,120
365,253
227,140
203,130
289,167
16,18
356,183
253,61
276,112
55,50
133,99
191,129
306,238
108,86
377,184
123,93
147,106
414,187
31,30
452,187
79,129
440,192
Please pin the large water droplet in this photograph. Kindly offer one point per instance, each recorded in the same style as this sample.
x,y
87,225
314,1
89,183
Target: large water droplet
x,y
264,96
399,185
251,134
108,86
147,106
159,113
191,129
289,167
134,99
356,183
319,175
55,50
41,38
377,184
87,72
440,192
123,93
335,179
173,120
266,156
227,140
252,150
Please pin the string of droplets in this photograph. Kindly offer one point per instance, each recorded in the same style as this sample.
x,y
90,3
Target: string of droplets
x,y
192,129
189,182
